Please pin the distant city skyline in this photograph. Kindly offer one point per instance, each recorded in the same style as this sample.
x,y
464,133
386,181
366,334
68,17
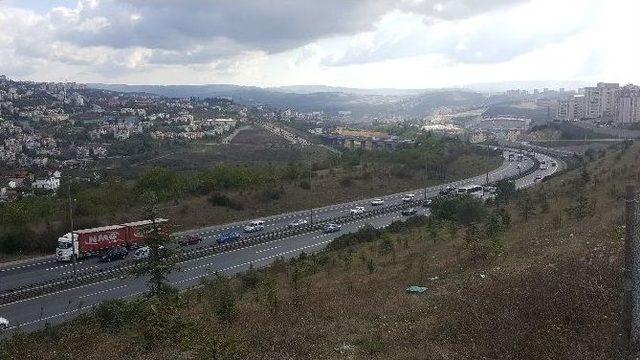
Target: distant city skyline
x,y
406,44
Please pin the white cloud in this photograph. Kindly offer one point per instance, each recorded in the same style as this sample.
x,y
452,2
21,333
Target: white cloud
x,y
360,43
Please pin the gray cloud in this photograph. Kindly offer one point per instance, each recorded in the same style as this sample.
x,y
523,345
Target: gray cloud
x,y
199,31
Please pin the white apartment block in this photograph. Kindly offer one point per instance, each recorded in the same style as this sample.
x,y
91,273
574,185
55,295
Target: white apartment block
x,y
592,102
572,108
628,105
608,101
51,183
600,101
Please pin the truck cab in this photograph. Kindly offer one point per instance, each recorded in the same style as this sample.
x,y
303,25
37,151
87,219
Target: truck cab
x,y
65,248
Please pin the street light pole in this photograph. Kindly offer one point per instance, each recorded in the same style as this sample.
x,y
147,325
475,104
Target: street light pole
x,y
73,242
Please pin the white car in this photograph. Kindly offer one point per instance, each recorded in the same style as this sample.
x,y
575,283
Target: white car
x,y
143,252
409,197
357,210
298,223
254,226
4,324
377,202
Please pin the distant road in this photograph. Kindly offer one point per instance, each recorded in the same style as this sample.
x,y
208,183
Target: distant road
x,y
609,131
227,139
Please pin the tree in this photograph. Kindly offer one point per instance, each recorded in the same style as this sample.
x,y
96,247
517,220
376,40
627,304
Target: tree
x,y
525,206
462,209
161,261
505,191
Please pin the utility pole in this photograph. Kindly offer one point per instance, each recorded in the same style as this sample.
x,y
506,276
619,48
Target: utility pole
x,y
73,242
426,175
631,309
310,190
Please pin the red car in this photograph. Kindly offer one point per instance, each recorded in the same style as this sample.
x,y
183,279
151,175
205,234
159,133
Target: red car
x,y
190,240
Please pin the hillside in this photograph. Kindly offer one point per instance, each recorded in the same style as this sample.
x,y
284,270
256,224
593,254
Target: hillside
x,y
327,99
537,280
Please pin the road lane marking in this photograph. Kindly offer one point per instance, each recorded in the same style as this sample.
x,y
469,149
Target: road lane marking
x,y
103,291
27,265
267,249
58,292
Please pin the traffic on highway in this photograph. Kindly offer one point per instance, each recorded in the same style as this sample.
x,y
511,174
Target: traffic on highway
x,y
32,313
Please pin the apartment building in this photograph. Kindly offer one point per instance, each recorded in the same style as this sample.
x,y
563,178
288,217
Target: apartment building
x,y
572,108
628,105
600,101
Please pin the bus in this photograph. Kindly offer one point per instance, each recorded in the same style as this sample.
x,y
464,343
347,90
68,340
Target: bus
x,y
473,190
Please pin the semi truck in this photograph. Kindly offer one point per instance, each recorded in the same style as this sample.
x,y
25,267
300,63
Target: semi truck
x,y
87,242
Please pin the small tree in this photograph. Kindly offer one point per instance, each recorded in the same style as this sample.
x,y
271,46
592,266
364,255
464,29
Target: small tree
x,y
161,261
505,191
525,206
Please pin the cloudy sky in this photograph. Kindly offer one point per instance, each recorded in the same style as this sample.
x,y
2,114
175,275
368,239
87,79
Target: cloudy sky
x,y
357,43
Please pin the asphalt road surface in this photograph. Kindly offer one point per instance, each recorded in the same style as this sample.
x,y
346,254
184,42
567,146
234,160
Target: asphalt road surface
x,y
33,313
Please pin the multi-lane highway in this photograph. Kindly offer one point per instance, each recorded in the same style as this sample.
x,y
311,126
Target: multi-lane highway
x,y
33,313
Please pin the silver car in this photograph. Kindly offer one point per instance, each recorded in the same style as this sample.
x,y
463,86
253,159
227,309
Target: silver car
x,y
298,223
4,324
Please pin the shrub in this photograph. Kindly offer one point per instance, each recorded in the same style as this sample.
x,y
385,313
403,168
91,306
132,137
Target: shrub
x,y
461,209
114,315
250,279
270,194
366,234
304,184
346,182
219,199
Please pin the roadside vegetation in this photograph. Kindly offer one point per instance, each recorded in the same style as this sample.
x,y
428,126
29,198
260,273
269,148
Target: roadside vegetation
x,y
230,192
533,275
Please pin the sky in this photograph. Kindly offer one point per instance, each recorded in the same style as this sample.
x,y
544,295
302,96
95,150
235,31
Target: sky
x,y
354,43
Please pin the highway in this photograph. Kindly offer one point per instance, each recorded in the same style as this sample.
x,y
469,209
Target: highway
x,y
31,314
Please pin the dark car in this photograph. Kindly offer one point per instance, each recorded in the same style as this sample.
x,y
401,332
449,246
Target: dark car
x,y
427,203
117,253
228,237
409,212
331,228
191,239
446,191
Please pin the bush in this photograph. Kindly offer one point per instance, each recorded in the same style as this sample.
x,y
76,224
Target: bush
x,y
270,194
366,234
411,222
114,315
505,191
462,209
250,279
218,199
346,182
304,184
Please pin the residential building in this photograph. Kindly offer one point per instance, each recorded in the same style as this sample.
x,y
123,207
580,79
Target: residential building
x,y
592,102
572,108
51,183
601,101
628,105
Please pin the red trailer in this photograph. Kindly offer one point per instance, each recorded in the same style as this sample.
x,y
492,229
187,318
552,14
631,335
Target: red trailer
x,y
92,241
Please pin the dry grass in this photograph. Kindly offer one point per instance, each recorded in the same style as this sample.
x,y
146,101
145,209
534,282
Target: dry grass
x,y
548,290
326,189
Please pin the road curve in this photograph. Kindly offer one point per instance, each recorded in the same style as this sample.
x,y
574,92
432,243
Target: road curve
x,y
33,313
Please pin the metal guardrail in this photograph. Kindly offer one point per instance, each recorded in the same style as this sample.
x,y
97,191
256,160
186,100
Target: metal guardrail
x,y
529,171
120,270
126,269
